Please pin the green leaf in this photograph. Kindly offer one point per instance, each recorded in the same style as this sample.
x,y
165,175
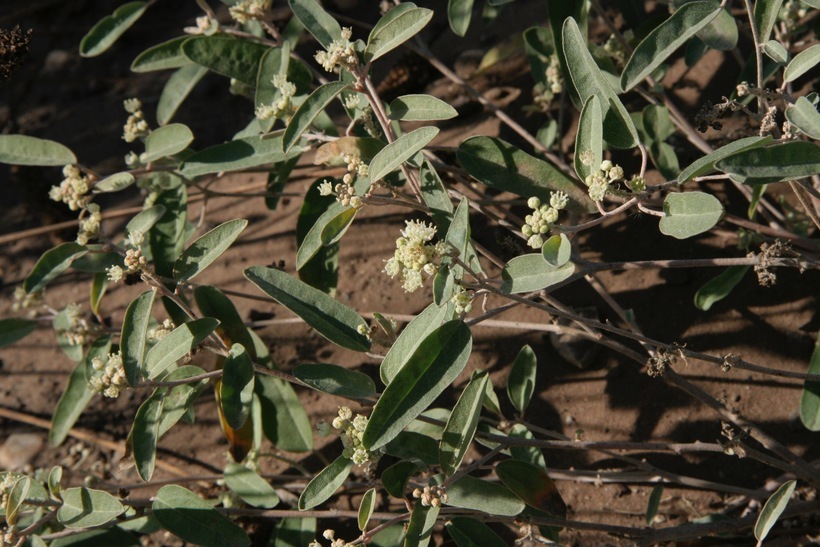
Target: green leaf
x,y
654,502
765,15
399,151
145,219
62,323
16,498
501,165
411,338
54,482
167,238
145,434
664,157
810,397
231,57
108,30
14,329
521,383
533,485
114,183
110,537
776,52
134,335
76,395
206,249
409,445
489,497
250,487
161,56
467,532
529,454
774,507
588,79
436,198
657,122
590,137
557,250
366,507
667,37
420,529
394,478
805,117
212,302
179,399
86,508
435,363
194,520
177,89
459,13
321,97
336,380
24,492
719,287
317,21
786,161
176,344
460,429
293,532
420,108
721,32
166,141
802,63
707,163
321,268
396,27
311,243
688,214
53,263
236,155
531,272
277,61
284,420
329,317
237,387
325,483
25,150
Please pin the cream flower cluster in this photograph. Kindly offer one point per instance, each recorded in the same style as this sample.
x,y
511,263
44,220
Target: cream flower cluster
x,y
352,431
344,191
27,301
542,218
415,257
90,224
73,190
329,535
282,107
544,94
134,260
599,181
248,10
431,496
135,126
462,300
160,332
79,331
112,380
340,53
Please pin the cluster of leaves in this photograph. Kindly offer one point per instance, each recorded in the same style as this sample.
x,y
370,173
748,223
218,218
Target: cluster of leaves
x,y
426,447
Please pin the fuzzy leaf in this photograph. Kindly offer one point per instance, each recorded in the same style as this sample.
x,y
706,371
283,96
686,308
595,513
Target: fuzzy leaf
x,y
467,532
134,335
176,344
14,329
396,27
250,487
293,532
194,520
212,302
707,163
86,508
317,21
236,389
145,434
411,337
805,117
460,429
719,287
145,219
774,507
332,319
501,165
284,419
399,151
688,214
366,507
765,16
619,131
492,498
226,55
325,483
721,33
336,380
802,63
108,30
420,530
205,250
810,398
161,56
166,141
53,263
654,502
25,150
434,364
521,383
531,272
321,97
786,161
459,13
177,89
178,400
590,137
533,485
419,108
557,250
236,155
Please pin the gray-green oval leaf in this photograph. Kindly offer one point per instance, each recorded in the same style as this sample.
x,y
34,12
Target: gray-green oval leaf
x,y
521,383
332,319
434,365
460,428
532,485
176,344
86,508
802,63
805,117
719,287
53,262
399,151
665,39
194,520
284,419
145,434
366,507
161,56
531,272
323,485
419,108
14,329
459,13
786,161
336,380
590,137
226,55
707,163
774,507
237,386
115,182
489,497
250,487
688,214
810,398
411,337
776,52
207,248
308,110
177,89
238,154
391,32
166,141
25,150
557,250
467,532
108,30
316,20
134,334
